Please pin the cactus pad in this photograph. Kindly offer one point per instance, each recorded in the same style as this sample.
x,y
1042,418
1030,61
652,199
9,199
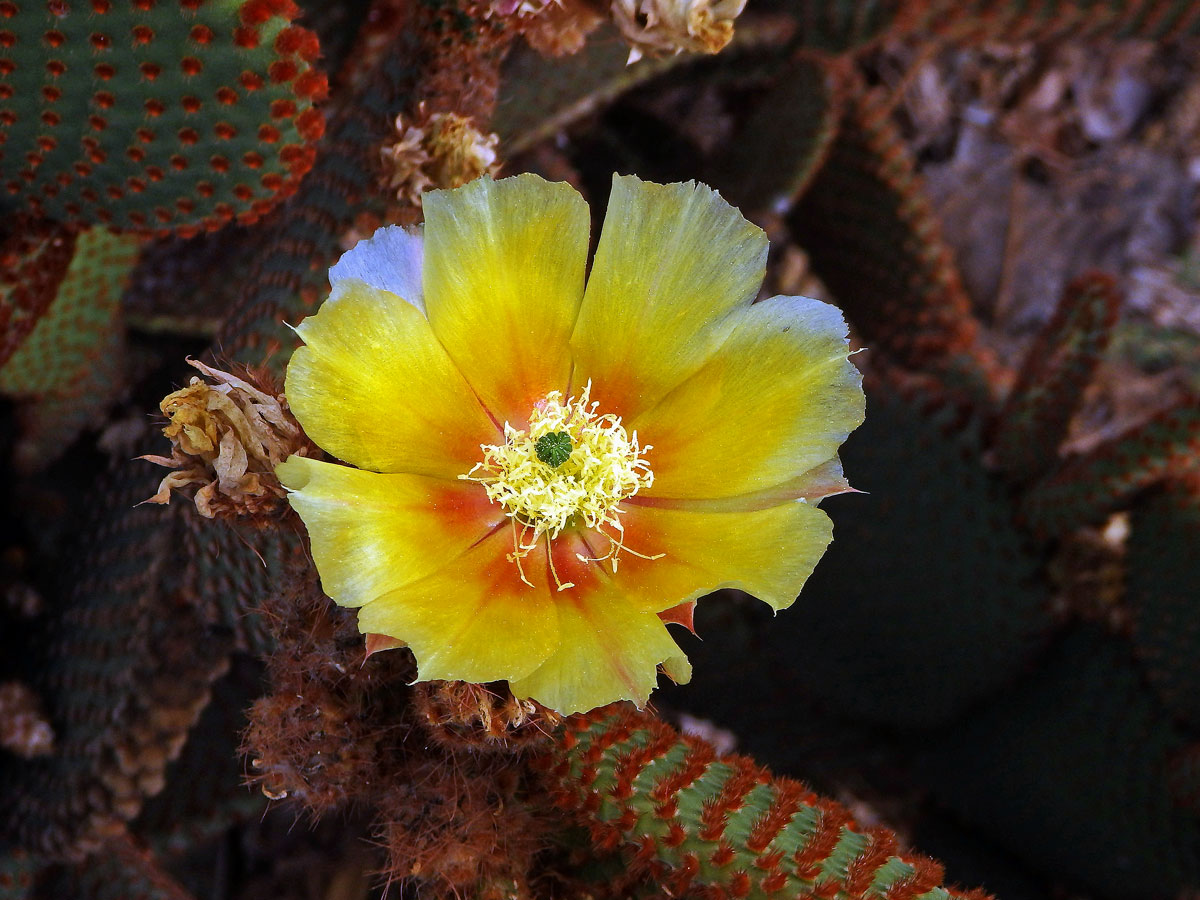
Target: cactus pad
x,y
69,367
724,825
33,260
785,140
154,115
874,241
1161,584
1086,488
1059,366
928,599
1073,774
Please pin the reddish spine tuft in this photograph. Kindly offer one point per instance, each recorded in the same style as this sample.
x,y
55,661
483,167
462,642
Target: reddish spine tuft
x,y
740,885
283,109
695,764
675,836
312,85
723,855
925,876
774,883
311,124
680,880
256,12
788,799
282,70
861,871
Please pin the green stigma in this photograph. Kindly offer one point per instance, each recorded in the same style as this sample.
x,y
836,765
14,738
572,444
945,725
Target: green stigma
x,y
553,448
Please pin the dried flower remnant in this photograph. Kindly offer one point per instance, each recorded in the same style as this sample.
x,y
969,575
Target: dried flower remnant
x,y
227,436
439,150
553,28
543,473
23,726
659,27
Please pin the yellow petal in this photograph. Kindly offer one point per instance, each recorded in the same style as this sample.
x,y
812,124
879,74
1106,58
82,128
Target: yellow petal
x,y
610,648
474,619
373,533
673,261
504,267
776,401
768,553
373,386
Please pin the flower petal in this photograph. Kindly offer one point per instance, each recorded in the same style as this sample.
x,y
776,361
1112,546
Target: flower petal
x,y
673,261
504,267
765,552
474,619
610,649
374,387
373,533
390,260
776,401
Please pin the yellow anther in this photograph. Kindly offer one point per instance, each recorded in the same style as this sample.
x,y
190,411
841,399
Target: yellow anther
x,y
601,465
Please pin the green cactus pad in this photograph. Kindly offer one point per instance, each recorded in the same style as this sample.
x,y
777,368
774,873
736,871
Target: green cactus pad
x,y
69,368
85,306
33,260
206,792
1161,584
847,25
541,96
785,140
1072,774
1057,369
17,871
723,825
120,870
121,686
1085,489
154,115
929,597
873,240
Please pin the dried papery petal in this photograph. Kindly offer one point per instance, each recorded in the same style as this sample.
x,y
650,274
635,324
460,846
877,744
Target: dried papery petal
x,y
557,28
227,436
671,26
438,150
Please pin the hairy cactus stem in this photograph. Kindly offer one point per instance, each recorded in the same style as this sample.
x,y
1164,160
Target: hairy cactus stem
x,y
721,825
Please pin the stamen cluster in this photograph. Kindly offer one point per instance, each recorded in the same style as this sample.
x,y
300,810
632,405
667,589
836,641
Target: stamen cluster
x,y
604,466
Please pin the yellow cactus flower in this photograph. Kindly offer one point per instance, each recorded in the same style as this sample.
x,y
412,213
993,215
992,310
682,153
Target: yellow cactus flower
x,y
542,469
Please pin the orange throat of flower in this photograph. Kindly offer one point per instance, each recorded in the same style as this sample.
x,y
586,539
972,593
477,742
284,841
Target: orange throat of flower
x,y
570,469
